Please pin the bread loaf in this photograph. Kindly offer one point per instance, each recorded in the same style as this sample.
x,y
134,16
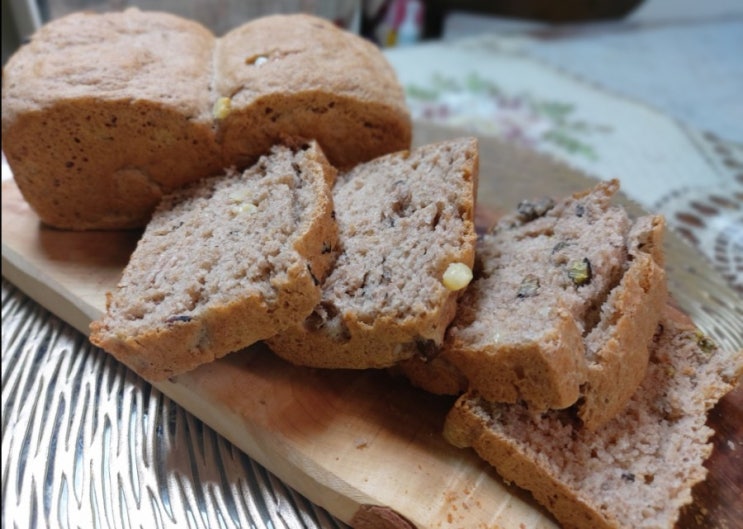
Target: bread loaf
x,y
565,300
225,262
404,219
300,75
637,470
102,114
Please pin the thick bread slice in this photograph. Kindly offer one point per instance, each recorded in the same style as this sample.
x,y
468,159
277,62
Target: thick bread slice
x,y
224,263
636,471
403,219
301,75
549,276
616,349
105,113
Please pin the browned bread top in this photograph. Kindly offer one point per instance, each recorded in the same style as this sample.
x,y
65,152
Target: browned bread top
x,y
301,75
130,55
105,113
225,262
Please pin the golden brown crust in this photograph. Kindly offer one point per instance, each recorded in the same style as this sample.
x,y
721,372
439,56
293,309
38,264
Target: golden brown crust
x,y
95,136
628,323
383,343
550,371
339,90
622,361
83,178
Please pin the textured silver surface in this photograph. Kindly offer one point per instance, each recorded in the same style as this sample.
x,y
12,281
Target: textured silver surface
x,y
86,443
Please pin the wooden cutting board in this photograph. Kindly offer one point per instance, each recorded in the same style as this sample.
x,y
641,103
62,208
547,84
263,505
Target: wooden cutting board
x,y
365,445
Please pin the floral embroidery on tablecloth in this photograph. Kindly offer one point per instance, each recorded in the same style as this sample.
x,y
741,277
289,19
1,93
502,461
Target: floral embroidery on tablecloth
x,y
481,105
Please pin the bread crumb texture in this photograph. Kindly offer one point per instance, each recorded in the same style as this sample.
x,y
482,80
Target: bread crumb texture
x,y
566,296
403,220
224,263
637,470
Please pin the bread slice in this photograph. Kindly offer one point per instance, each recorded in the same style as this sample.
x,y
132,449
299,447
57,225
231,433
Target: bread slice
x,y
636,471
103,114
224,263
565,301
404,219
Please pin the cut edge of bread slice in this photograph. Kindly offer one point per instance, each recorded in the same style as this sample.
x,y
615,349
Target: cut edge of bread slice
x,y
404,219
224,263
596,370
635,471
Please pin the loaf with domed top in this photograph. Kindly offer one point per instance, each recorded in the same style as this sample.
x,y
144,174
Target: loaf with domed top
x,y
103,114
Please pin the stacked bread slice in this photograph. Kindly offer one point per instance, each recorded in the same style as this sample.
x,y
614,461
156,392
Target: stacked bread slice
x,y
566,297
636,471
406,223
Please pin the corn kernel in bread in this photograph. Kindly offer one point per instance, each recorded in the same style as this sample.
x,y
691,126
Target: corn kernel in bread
x,y
224,263
403,219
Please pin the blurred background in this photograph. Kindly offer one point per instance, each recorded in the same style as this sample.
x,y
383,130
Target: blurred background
x,y
386,22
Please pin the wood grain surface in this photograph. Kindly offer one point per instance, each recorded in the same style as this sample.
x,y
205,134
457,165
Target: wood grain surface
x,y
362,444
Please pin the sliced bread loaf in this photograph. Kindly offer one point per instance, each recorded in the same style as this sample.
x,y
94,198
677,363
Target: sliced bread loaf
x,y
636,471
102,114
565,300
406,226
224,263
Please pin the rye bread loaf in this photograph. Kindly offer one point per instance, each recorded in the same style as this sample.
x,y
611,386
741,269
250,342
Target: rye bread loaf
x,y
102,114
636,471
403,220
225,262
564,303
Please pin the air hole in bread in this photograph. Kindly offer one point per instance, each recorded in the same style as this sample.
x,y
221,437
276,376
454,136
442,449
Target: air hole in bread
x,y
427,349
